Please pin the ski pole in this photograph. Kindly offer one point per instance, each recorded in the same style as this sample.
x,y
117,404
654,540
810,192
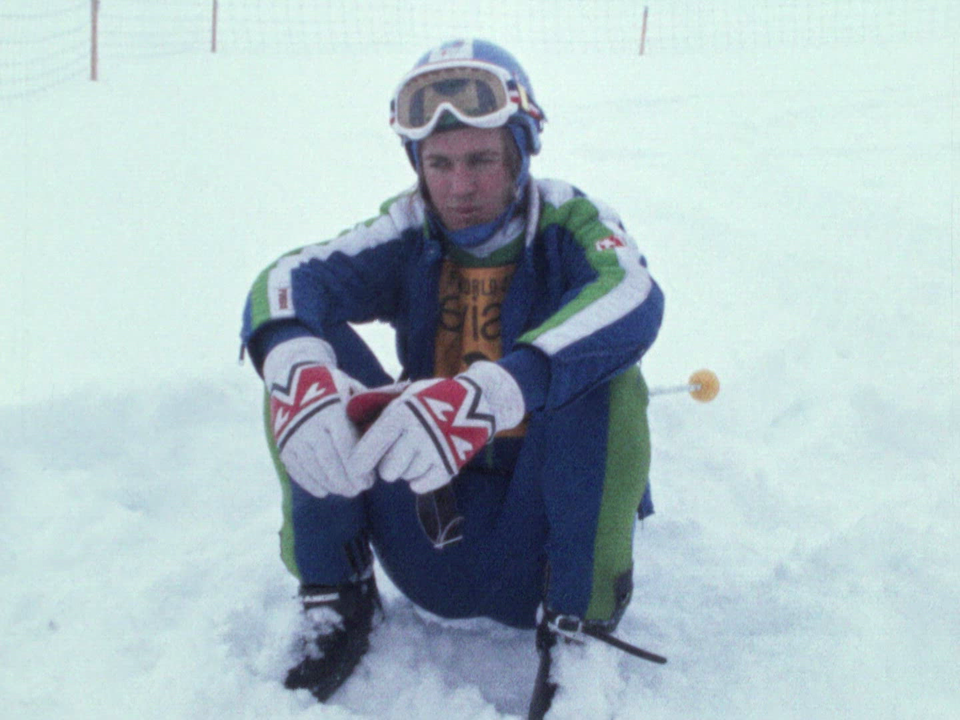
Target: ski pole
x,y
703,386
626,647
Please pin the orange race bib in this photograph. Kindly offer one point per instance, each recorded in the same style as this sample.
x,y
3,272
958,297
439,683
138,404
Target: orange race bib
x,y
469,327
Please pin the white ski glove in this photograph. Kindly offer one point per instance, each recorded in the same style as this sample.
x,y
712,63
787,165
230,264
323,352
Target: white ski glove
x,y
308,419
435,427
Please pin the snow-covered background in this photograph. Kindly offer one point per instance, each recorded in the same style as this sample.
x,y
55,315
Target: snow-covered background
x,y
793,181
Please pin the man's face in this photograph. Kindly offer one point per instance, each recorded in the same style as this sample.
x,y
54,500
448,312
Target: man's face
x,y
468,175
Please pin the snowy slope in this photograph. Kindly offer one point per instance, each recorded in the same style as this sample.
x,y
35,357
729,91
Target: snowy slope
x,y
798,207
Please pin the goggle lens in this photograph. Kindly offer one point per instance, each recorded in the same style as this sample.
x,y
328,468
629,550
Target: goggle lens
x,y
471,92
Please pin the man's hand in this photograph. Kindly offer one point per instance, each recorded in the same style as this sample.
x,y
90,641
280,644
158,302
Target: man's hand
x,y
309,422
427,434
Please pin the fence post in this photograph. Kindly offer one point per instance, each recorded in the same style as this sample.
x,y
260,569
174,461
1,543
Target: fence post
x,y
643,30
94,16
213,32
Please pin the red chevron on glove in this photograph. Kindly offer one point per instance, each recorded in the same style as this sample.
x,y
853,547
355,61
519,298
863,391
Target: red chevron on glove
x,y
435,427
449,411
310,389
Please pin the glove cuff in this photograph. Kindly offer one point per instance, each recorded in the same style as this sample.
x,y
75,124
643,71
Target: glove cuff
x,y
276,366
501,391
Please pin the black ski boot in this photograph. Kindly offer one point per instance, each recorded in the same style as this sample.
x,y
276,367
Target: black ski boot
x,y
337,625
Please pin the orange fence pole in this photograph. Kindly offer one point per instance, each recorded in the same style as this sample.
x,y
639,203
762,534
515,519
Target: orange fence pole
x,y
643,31
213,33
94,13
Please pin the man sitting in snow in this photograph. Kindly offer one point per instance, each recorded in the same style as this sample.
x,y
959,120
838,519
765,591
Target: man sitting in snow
x,y
502,476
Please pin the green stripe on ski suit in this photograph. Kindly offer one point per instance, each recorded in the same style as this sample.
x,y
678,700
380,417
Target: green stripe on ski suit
x,y
286,531
581,218
259,303
627,471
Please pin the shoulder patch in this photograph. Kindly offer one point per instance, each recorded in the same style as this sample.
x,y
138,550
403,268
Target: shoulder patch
x,y
610,242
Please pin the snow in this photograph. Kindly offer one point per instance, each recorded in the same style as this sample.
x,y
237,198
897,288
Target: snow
x,y
797,204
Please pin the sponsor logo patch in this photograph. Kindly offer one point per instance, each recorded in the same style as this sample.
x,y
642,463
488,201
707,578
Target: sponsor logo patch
x,y
610,242
455,50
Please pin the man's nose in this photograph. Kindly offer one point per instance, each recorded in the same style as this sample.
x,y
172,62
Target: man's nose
x,y
462,180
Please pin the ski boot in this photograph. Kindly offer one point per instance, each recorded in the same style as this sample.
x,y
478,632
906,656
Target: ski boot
x,y
337,624
556,631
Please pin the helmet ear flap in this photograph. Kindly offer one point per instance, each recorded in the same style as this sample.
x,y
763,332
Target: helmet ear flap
x,y
521,142
413,153
526,133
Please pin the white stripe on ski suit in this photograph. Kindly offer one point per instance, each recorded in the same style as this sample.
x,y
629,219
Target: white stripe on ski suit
x,y
624,298
405,212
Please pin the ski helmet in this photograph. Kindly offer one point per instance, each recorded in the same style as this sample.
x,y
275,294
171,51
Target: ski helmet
x,y
466,82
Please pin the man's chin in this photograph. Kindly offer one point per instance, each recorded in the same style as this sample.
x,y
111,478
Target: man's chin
x,y
462,221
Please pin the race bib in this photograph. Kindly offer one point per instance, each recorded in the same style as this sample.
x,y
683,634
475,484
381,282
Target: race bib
x,y
469,327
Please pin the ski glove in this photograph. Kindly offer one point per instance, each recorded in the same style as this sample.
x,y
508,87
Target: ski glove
x,y
435,427
308,418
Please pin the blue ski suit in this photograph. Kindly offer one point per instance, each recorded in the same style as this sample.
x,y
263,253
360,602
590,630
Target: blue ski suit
x,y
548,513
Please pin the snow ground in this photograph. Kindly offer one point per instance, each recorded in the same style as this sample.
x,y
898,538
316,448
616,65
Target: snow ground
x,y
799,208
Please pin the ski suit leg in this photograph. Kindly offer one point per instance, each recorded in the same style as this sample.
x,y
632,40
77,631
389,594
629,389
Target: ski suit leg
x,y
323,540
593,484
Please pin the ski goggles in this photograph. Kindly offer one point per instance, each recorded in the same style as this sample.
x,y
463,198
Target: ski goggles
x,y
475,93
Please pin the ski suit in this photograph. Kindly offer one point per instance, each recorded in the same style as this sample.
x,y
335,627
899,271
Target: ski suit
x,y
549,509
